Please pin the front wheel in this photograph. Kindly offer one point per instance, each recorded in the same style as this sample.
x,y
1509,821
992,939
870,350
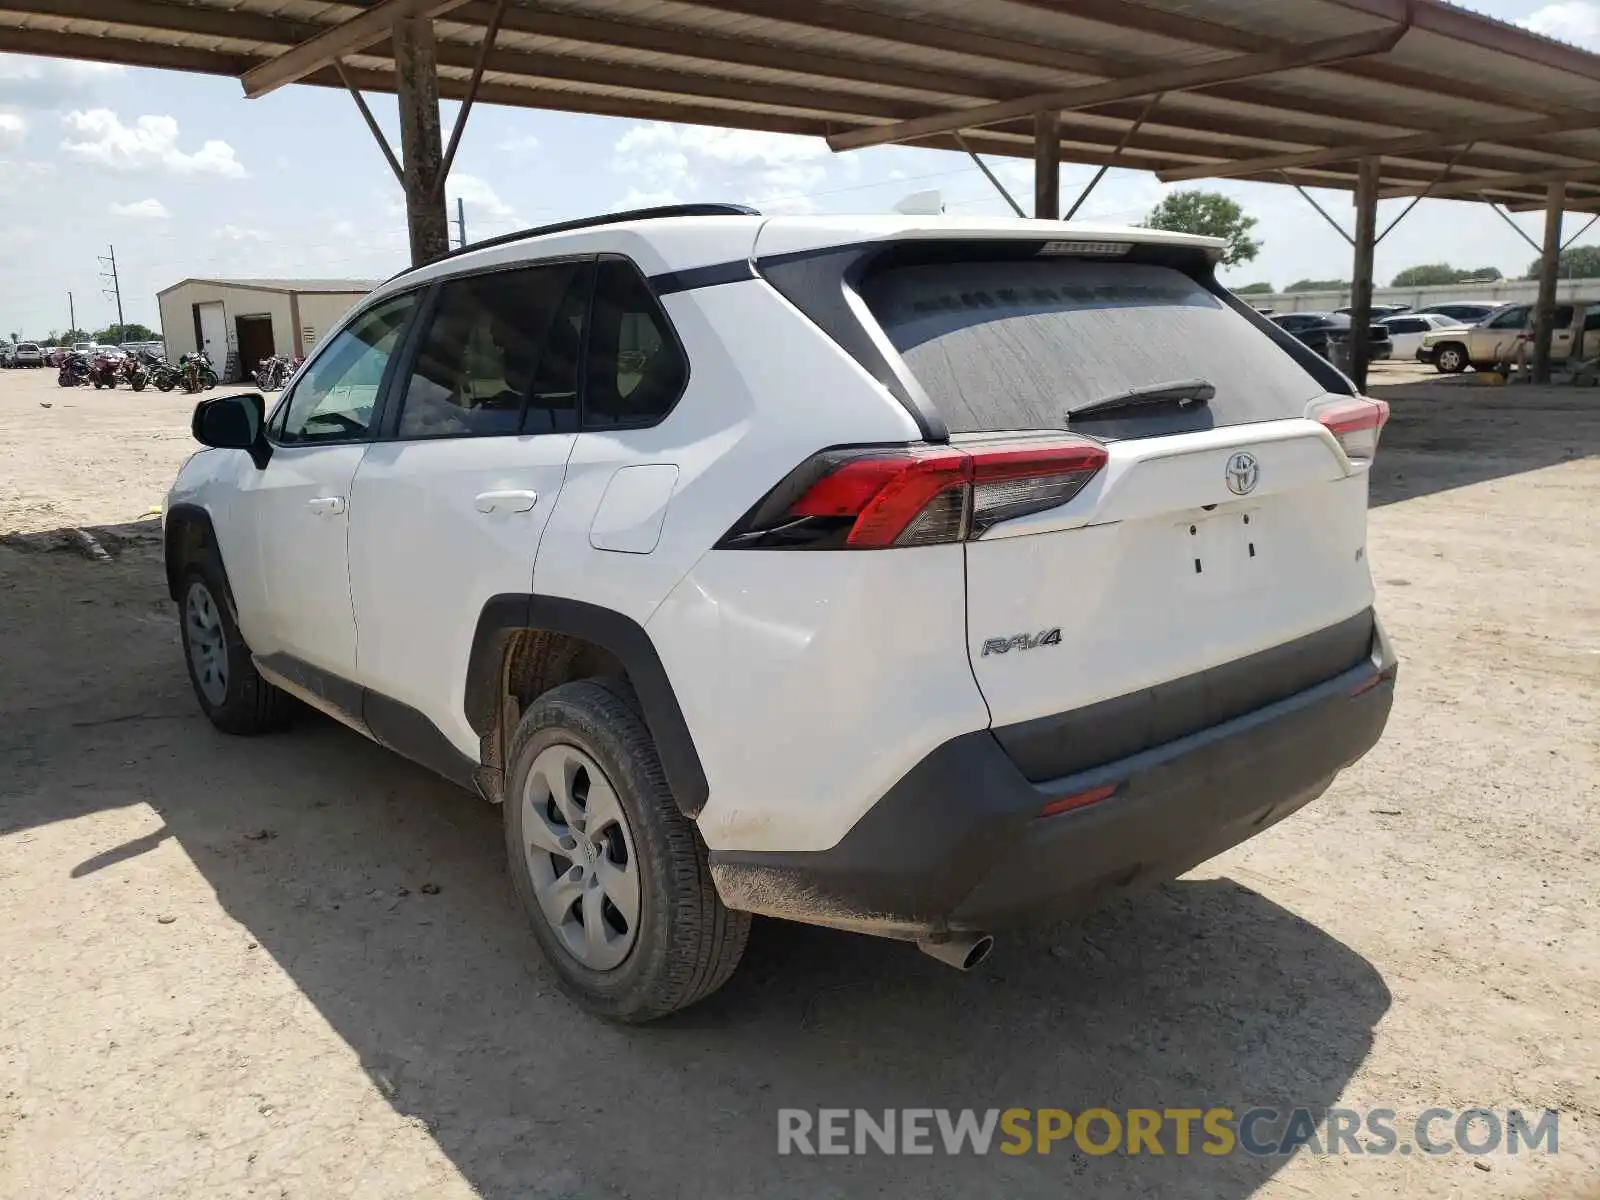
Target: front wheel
x,y
208,378
1451,360
231,692
613,876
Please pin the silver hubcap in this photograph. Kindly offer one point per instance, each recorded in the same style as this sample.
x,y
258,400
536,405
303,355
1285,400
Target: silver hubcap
x,y
208,646
581,857
1452,360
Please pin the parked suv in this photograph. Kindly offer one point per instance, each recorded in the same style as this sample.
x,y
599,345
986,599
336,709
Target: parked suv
x,y
910,575
1321,331
1496,339
27,354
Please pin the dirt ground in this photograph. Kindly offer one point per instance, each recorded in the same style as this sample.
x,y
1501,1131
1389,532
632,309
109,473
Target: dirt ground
x,y
291,967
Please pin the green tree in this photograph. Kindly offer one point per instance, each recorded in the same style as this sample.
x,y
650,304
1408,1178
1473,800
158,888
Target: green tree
x,y
1441,274
115,335
1318,285
1579,262
1211,214
1254,289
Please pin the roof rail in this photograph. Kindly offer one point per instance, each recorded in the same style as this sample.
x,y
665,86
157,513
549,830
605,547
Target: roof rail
x,y
633,214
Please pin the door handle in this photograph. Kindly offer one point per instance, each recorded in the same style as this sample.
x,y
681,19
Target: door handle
x,y
489,502
326,506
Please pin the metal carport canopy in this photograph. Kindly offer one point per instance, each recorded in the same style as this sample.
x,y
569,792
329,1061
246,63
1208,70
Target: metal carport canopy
x,y
1285,91
1528,105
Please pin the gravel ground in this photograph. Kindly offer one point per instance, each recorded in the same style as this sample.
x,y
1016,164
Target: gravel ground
x,y
291,967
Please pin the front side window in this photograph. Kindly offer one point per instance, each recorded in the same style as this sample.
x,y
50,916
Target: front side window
x,y
500,356
636,371
1512,318
334,400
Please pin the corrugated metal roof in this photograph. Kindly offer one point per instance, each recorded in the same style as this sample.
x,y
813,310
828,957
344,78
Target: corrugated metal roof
x,y
827,67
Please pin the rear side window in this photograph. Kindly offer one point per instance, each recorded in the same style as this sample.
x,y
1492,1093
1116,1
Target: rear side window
x,y
1017,344
636,370
1408,325
500,356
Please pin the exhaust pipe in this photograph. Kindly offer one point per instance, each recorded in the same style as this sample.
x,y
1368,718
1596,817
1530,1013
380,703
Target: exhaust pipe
x,y
963,951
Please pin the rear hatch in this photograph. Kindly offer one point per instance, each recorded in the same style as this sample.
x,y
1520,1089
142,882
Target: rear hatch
x,y
1213,563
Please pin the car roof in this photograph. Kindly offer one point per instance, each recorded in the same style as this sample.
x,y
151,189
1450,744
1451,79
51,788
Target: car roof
x,y
663,244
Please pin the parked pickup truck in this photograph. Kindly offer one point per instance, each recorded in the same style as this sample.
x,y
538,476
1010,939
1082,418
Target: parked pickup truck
x,y
1496,337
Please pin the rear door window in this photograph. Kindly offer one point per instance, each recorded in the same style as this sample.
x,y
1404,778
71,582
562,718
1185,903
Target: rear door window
x,y
500,356
1006,345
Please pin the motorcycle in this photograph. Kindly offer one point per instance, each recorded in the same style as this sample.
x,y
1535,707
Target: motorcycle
x,y
162,373
74,371
103,372
134,372
273,373
196,372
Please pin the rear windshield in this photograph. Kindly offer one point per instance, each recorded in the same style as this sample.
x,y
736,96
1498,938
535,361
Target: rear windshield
x,y
1016,345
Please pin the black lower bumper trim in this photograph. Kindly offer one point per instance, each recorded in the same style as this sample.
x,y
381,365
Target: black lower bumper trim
x,y
958,843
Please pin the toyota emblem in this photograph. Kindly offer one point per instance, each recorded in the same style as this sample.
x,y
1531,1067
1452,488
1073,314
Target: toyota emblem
x,y
1241,473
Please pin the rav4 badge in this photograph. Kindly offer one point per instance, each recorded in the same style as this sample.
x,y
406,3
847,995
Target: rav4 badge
x,y
1022,641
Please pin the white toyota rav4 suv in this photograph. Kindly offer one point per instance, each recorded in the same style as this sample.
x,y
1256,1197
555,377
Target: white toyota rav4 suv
x,y
908,575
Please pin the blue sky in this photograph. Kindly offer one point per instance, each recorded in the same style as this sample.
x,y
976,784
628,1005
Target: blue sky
x,y
186,177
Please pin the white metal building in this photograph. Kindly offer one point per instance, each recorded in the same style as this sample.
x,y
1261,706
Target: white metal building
x,y
238,322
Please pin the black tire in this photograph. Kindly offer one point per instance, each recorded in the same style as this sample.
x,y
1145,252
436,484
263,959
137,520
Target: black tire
x,y
1451,359
137,383
246,704
686,942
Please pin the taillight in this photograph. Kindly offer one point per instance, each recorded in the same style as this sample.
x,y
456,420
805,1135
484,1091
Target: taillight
x,y
870,499
1354,421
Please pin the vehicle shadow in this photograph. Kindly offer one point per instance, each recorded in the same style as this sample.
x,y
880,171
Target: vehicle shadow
x,y
1447,434
381,892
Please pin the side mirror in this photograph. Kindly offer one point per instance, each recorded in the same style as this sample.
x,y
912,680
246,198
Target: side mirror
x,y
233,423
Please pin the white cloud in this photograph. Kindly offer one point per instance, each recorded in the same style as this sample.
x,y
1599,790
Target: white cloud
x,y
665,164
1575,21
476,193
150,142
141,210
13,130
522,143
235,233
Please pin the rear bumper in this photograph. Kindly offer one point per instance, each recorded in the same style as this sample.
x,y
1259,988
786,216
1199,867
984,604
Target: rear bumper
x,y
958,845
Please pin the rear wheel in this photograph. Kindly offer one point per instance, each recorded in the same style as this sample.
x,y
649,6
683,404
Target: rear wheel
x,y
1451,359
231,693
612,874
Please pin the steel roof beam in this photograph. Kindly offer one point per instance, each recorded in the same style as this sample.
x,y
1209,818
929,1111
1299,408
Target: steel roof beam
x,y
1435,140
1175,79
1478,183
373,25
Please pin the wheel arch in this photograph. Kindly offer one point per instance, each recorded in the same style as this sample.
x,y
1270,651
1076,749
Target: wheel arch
x,y
505,618
188,536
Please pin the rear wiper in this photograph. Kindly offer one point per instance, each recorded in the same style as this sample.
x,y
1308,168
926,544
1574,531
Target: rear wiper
x,y
1182,392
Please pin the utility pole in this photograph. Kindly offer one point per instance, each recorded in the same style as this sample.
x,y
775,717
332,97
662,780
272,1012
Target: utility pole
x,y
115,289
461,221
72,313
